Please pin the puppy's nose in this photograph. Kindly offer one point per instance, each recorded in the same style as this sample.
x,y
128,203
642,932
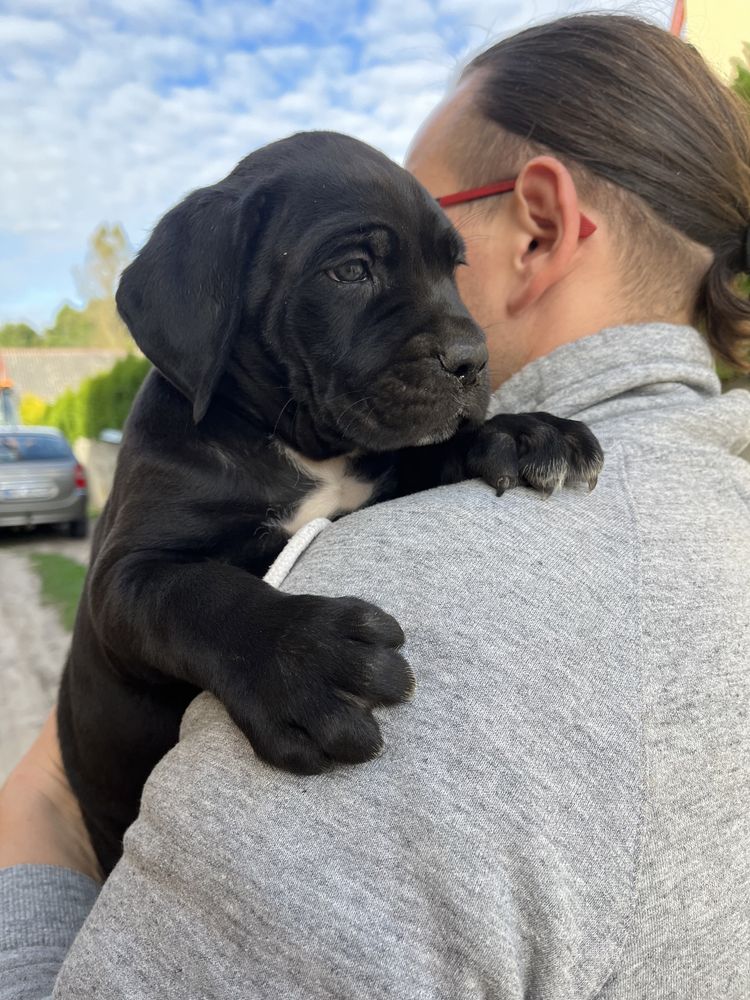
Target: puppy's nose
x,y
464,360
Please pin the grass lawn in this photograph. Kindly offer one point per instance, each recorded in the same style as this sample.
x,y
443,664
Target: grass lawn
x,y
62,583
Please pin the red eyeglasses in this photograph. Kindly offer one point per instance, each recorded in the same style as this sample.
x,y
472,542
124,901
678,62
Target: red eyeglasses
x,y
588,228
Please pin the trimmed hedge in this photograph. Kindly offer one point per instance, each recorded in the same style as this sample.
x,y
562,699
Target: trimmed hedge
x,y
100,401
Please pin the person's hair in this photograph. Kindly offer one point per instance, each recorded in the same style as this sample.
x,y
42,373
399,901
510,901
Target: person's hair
x,y
650,135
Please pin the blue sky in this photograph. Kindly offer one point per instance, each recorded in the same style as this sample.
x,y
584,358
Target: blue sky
x,y
112,110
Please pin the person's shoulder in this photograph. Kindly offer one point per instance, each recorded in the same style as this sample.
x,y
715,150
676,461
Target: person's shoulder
x,y
462,535
703,441
512,780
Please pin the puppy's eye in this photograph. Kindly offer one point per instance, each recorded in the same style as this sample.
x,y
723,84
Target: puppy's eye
x,y
350,270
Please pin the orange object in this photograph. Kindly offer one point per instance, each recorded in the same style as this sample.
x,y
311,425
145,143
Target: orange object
x,y
678,17
5,381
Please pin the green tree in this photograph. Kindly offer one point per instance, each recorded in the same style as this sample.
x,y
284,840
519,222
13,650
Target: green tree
x,y
100,402
742,80
97,324
109,251
72,328
18,335
62,414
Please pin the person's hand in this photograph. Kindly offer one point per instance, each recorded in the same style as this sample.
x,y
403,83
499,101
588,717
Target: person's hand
x,y
40,820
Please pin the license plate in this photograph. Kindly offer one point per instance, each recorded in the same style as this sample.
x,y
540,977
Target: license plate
x,y
27,491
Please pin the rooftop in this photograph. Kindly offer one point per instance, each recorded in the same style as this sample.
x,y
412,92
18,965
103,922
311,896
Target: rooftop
x,y
48,371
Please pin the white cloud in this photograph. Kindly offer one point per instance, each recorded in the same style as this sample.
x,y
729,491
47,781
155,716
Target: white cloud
x,y
115,109
30,33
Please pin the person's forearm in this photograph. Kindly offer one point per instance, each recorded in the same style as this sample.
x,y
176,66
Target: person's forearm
x,y
40,820
49,877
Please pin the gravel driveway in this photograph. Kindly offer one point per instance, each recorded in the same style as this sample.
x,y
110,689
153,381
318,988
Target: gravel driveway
x,y
33,642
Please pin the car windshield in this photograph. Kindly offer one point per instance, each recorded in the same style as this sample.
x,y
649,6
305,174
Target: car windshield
x,y
32,448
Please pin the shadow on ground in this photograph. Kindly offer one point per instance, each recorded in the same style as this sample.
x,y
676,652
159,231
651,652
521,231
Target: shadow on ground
x,y
46,538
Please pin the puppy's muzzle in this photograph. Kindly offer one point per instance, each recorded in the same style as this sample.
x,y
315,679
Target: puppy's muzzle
x,y
465,360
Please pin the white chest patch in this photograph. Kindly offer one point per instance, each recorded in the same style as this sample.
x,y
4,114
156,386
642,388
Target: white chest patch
x,y
336,490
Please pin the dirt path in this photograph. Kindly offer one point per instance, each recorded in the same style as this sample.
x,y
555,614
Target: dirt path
x,y
46,540
33,643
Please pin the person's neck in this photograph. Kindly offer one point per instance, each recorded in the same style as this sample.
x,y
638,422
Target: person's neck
x,y
569,314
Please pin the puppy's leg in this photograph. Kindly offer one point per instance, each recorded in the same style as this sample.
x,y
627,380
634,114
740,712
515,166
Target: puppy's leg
x,y
298,674
531,449
536,450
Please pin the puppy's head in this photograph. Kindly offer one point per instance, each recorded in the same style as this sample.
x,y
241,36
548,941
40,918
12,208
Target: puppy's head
x,y
325,265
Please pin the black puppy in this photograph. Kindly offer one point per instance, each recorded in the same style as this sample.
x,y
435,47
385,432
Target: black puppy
x,y
311,355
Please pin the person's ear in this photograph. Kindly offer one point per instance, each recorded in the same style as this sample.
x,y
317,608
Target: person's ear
x,y
547,222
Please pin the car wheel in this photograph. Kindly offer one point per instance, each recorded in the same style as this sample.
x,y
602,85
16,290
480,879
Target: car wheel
x,y
79,529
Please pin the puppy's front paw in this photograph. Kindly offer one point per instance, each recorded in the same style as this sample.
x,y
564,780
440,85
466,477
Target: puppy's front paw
x,y
536,450
309,705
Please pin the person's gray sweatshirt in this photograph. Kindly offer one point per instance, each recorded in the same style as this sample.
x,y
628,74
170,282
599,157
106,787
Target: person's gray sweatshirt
x,y
561,812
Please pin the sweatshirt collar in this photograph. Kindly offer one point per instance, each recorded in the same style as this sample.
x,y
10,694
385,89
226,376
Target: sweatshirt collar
x,y
623,361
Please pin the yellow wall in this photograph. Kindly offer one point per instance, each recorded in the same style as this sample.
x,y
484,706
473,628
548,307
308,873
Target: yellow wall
x,y
719,28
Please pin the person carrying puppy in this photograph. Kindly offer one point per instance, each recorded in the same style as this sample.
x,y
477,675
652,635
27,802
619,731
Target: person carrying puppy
x,y
561,811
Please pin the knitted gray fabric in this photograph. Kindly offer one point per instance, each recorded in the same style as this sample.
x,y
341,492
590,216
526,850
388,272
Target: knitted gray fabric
x,y
41,909
561,812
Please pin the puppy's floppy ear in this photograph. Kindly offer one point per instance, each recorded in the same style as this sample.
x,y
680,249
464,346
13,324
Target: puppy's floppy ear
x,y
182,297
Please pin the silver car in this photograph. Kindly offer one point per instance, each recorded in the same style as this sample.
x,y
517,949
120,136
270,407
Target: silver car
x,y
41,481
